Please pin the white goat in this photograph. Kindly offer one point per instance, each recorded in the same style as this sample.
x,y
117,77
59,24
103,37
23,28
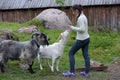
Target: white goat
x,y
53,51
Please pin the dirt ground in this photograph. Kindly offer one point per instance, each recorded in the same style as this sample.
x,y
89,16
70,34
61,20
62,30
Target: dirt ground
x,y
114,71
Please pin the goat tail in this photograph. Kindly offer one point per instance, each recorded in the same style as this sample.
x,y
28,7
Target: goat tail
x,y
1,56
1,51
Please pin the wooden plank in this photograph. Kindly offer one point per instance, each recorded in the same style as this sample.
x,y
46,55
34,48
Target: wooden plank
x,y
118,17
99,68
113,18
5,16
10,16
1,17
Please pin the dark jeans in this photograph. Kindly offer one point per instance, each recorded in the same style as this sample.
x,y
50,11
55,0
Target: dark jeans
x,y
83,44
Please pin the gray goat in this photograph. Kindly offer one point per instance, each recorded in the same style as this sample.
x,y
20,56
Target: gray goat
x,y
10,49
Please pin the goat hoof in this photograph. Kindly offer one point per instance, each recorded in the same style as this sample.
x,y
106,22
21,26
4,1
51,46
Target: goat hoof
x,y
32,72
2,71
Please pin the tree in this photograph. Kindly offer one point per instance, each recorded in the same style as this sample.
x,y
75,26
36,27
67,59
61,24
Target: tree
x,y
60,2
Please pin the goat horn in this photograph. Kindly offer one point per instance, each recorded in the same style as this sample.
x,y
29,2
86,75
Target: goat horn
x,y
35,33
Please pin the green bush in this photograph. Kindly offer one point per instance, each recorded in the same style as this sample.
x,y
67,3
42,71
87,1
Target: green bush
x,y
35,22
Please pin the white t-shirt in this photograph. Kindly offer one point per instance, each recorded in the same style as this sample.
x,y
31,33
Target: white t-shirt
x,y
81,28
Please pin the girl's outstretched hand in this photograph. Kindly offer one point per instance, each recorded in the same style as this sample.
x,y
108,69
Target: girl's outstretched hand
x,y
69,26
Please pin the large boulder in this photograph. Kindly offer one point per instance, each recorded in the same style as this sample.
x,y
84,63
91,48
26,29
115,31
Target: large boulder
x,y
54,19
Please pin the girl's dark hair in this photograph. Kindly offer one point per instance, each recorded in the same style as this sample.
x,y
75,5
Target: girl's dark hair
x,y
77,7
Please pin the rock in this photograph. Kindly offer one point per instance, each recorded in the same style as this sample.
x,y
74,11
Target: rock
x,y
54,19
28,29
94,63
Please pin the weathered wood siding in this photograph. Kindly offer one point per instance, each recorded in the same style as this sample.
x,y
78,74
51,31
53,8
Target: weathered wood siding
x,y
107,16
18,15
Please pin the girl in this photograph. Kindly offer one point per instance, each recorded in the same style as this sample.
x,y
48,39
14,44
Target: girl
x,y
82,41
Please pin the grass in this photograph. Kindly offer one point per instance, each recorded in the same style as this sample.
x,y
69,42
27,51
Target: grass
x,y
104,48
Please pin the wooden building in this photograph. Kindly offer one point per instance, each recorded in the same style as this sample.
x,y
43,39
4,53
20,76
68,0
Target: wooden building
x,y
104,13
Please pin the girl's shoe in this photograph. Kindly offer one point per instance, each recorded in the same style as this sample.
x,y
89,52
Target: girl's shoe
x,y
84,74
68,74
